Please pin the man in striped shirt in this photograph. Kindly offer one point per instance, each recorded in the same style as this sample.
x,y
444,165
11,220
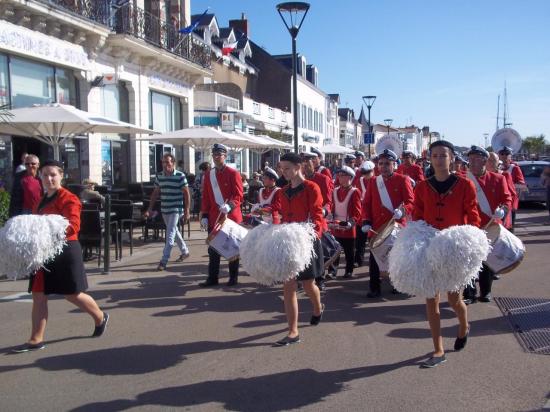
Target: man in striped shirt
x,y
173,189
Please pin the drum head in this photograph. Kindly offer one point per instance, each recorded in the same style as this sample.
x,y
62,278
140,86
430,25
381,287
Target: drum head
x,y
493,231
383,233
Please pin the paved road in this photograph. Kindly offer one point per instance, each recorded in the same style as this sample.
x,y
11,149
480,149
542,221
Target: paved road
x,y
171,345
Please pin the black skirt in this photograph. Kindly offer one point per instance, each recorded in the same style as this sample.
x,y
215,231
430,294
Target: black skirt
x,y
65,275
317,267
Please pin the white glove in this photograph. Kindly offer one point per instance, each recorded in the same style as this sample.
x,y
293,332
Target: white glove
x,y
397,214
225,208
345,225
499,213
366,228
204,223
254,207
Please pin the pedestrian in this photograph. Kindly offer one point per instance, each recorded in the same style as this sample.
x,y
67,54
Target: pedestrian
x,y
21,166
65,275
512,168
443,200
545,182
301,201
90,194
346,214
493,165
222,198
409,167
367,173
493,203
26,191
389,196
267,199
172,188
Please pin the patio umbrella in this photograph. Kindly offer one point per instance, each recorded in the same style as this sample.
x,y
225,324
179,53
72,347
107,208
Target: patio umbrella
x,y
54,124
200,137
335,149
263,143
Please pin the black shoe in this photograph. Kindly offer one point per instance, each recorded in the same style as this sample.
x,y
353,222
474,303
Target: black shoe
x,y
161,267
496,277
28,347
182,257
316,319
460,343
208,282
330,275
287,341
347,275
470,301
232,282
98,331
486,298
434,361
321,285
374,294
394,291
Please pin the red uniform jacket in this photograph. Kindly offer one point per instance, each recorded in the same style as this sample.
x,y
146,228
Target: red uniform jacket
x,y
458,206
414,171
517,178
324,171
231,187
66,204
274,206
353,211
365,182
400,191
305,205
496,191
356,178
376,170
326,187
512,189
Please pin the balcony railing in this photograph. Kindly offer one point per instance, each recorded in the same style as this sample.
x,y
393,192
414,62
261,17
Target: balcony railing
x,y
132,20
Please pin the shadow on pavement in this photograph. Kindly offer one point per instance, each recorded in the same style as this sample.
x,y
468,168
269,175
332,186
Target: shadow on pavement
x,y
276,392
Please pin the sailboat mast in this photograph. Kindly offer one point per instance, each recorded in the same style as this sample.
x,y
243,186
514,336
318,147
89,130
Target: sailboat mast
x,y
498,110
505,107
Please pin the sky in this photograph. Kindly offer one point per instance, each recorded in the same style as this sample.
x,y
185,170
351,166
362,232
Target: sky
x,y
431,63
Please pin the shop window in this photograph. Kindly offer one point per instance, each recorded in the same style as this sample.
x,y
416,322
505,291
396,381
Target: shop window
x,y
4,84
65,86
31,83
165,112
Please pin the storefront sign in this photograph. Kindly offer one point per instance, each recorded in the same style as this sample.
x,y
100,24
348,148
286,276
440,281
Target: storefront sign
x,y
170,86
34,44
227,122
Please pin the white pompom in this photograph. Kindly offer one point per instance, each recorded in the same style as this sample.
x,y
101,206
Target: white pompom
x,y
408,266
276,253
27,242
455,256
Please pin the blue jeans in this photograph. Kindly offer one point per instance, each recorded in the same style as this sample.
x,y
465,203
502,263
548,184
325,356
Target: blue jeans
x,y
172,233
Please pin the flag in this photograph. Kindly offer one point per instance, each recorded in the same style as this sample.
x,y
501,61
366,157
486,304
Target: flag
x,y
193,26
228,47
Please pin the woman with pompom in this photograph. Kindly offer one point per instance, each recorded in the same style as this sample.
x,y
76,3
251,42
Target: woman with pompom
x,y
444,200
65,275
301,201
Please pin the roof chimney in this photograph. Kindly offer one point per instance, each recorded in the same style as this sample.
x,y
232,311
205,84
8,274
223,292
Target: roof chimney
x,y
241,25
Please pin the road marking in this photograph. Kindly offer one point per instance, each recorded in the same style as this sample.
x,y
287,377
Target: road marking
x,y
19,297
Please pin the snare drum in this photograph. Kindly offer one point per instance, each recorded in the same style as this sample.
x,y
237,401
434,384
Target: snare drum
x,y
507,250
381,244
225,238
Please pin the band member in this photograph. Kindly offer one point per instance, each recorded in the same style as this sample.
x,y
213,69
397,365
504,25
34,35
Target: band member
x,y
444,200
359,159
388,197
317,163
349,160
409,167
267,199
493,202
509,167
301,201
460,166
367,173
223,195
325,186
346,213
493,166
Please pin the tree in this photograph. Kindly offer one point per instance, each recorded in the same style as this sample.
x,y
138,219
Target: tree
x,y
534,144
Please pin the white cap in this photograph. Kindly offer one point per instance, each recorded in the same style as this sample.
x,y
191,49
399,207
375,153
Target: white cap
x,y
347,170
367,166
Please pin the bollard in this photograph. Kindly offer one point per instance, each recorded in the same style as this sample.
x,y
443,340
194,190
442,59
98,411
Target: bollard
x,y
107,236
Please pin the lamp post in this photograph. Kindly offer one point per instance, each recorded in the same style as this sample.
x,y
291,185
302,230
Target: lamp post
x,y
388,123
369,102
296,12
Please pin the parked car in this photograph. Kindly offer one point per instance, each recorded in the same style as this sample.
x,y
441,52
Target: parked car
x,y
532,170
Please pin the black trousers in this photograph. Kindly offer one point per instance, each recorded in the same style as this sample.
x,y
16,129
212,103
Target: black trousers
x,y
348,244
214,266
374,274
485,284
360,243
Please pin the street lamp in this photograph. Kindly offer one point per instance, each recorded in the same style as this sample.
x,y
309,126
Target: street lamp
x,y
388,123
369,102
296,12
